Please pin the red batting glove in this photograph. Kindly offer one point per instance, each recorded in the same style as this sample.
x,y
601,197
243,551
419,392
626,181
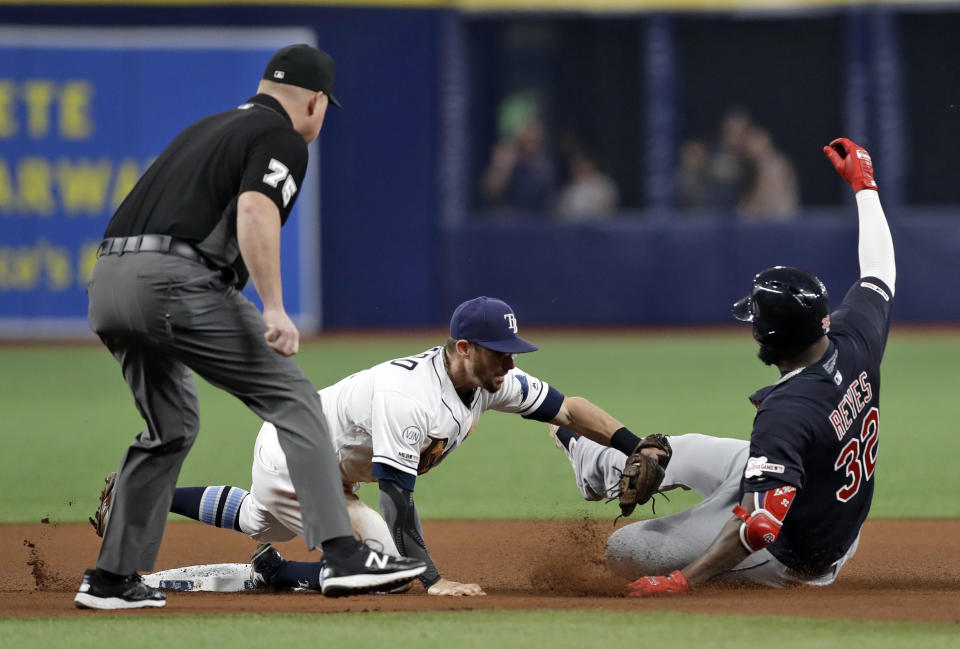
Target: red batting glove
x,y
852,162
675,584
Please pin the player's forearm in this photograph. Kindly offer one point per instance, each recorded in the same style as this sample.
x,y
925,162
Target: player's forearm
x,y
400,513
724,553
876,245
258,235
587,419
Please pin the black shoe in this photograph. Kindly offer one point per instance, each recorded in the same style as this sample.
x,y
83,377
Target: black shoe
x,y
109,594
264,564
367,570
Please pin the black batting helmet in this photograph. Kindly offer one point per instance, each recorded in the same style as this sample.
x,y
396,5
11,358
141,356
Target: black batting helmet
x,y
789,308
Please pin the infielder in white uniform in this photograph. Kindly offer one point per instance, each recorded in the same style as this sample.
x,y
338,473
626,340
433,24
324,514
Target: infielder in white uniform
x,y
391,423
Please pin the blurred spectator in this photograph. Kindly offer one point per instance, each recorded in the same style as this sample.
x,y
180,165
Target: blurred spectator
x,y
692,179
589,195
743,171
521,174
727,167
772,194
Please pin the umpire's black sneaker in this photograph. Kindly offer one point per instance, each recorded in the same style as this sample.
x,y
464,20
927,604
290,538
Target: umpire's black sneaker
x,y
96,591
366,571
264,564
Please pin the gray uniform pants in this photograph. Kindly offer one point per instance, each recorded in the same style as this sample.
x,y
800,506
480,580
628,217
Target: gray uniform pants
x,y
162,316
711,466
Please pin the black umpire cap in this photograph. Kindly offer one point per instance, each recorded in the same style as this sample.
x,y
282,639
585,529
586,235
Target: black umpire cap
x,y
304,66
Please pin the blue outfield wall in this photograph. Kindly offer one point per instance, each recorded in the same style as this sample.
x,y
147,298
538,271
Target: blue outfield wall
x,y
689,271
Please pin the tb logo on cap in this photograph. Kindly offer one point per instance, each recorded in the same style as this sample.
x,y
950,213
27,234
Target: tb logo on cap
x,y
511,321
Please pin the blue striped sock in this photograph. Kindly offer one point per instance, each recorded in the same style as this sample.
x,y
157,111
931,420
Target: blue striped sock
x,y
217,505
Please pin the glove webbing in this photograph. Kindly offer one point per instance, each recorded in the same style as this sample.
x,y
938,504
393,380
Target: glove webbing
x,y
616,496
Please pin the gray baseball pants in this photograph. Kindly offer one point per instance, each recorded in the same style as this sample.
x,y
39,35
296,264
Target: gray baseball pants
x,y
711,466
162,316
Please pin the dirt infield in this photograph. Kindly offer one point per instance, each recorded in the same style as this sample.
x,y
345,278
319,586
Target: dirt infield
x,y
904,570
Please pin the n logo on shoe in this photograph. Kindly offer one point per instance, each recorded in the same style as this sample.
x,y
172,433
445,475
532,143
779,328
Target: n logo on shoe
x,y
374,558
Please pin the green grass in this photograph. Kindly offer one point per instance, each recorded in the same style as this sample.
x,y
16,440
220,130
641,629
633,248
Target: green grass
x,y
68,418
473,630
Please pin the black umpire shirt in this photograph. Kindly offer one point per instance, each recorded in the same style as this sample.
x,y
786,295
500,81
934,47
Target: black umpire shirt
x,y
819,431
190,191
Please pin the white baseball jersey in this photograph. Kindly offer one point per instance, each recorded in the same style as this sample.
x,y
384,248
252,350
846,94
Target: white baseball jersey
x,y
405,414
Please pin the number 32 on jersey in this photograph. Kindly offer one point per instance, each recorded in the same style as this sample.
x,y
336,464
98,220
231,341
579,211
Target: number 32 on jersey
x,y
858,458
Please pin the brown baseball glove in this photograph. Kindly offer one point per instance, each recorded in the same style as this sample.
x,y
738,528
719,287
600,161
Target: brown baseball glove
x,y
642,476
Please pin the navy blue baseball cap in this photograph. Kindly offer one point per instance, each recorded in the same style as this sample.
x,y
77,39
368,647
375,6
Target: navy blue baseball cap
x,y
490,323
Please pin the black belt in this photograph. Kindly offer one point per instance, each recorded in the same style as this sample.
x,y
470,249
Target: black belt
x,y
163,243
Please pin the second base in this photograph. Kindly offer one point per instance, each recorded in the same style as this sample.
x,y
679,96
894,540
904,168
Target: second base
x,y
214,577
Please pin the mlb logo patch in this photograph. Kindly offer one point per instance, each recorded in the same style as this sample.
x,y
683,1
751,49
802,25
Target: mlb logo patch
x,y
757,466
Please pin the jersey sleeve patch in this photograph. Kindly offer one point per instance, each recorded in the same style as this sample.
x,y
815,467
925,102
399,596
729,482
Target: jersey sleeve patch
x,y
400,466
758,466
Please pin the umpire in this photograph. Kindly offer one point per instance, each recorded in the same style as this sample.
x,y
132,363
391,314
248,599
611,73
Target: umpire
x,y
164,298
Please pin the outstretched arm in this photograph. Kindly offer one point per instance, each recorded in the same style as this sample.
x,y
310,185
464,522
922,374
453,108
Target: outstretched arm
x,y
596,424
587,419
875,247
